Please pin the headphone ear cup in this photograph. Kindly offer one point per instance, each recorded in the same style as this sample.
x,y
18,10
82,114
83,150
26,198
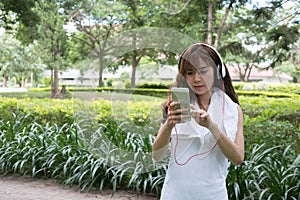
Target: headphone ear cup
x,y
218,72
223,71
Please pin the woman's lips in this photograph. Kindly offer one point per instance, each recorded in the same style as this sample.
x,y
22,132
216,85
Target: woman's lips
x,y
198,86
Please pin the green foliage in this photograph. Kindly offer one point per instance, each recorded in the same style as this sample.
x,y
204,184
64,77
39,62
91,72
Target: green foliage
x,y
61,111
109,82
269,106
280,88
25,15
127,83
271,121
29,148
268,173
52,111
18,61
124,76
112,156
107,144
46,81
153,85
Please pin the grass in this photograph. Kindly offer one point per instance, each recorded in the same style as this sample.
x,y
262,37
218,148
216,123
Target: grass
x,y
83,95
112,96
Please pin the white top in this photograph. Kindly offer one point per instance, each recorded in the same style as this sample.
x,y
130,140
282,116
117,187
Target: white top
x,y
203,176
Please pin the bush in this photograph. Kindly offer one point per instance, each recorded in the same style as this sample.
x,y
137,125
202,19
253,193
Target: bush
x,y
53,111
248,87
107,144
113,156
46,82
127,83
109,82
267,173
262,86
292,88
153,85
61,111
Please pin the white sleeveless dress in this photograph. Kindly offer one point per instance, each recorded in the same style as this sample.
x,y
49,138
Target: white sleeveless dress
x,y
198,175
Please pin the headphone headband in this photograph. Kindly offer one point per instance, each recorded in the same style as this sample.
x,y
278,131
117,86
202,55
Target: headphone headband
x,y
222,71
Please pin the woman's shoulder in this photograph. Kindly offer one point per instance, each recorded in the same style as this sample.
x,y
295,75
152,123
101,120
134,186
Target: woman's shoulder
x,y
222,95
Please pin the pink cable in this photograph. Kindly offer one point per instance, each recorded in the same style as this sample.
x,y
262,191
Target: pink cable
x,y
198,154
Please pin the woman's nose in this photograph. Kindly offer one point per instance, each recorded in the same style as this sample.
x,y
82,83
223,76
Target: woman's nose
x,y
198,77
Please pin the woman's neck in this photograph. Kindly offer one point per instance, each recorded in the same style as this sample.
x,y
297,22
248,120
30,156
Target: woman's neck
x,y
204,100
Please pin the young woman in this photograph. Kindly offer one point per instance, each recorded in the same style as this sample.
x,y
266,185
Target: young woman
x,y
200,148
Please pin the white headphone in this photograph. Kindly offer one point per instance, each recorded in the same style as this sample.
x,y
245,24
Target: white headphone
x,y
222,71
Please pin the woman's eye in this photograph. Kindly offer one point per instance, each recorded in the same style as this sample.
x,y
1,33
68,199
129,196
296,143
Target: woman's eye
x,y
189,72
203,71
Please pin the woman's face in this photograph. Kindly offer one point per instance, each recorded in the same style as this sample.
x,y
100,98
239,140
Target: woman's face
x,y
200,78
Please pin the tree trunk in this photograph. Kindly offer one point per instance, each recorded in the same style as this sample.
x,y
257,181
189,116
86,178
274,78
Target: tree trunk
x,y
248,71
31,79
5,78
15,82
134,66
100,81
54,89
209,24
223,21
241,74
22,81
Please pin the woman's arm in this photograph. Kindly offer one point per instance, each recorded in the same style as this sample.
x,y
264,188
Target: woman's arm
x,y
234,151
161,143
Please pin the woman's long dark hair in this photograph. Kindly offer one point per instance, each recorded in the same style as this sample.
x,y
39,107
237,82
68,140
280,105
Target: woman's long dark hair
x,y
207,53
211,56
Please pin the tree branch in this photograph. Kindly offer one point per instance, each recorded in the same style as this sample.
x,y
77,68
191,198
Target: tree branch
x,y
180,11
220,29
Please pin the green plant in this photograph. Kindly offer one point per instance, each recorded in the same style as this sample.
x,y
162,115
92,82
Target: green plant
x,y
109,82
112,156
46,81
268,173
107,143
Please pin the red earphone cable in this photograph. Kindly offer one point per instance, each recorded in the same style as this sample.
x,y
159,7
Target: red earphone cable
x,y
194,155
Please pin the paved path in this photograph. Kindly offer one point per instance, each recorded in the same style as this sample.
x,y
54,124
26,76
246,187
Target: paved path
x,y
27,188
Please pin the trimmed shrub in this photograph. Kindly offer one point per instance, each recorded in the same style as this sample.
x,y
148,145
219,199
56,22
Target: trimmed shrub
x,y
107,144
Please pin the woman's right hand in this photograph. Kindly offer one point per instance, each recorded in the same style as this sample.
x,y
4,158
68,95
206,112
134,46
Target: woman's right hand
x,y
176,114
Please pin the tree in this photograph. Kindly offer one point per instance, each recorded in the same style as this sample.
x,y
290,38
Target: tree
x,y
52,39
24,17
147,68
252,40
18,61
32,63
280,25
203,20
240,49
97,21
138,13
8,49
292,65
241,59
295,59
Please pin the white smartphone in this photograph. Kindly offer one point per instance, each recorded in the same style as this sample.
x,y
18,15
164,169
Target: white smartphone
x,y
182,95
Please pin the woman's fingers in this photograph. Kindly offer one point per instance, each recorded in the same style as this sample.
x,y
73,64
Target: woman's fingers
x,y
201,116
177,114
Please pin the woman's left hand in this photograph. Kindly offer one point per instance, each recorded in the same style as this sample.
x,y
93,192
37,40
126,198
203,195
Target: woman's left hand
x,y
201,117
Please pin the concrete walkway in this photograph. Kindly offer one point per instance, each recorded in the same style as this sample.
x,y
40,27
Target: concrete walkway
x,y
27,188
